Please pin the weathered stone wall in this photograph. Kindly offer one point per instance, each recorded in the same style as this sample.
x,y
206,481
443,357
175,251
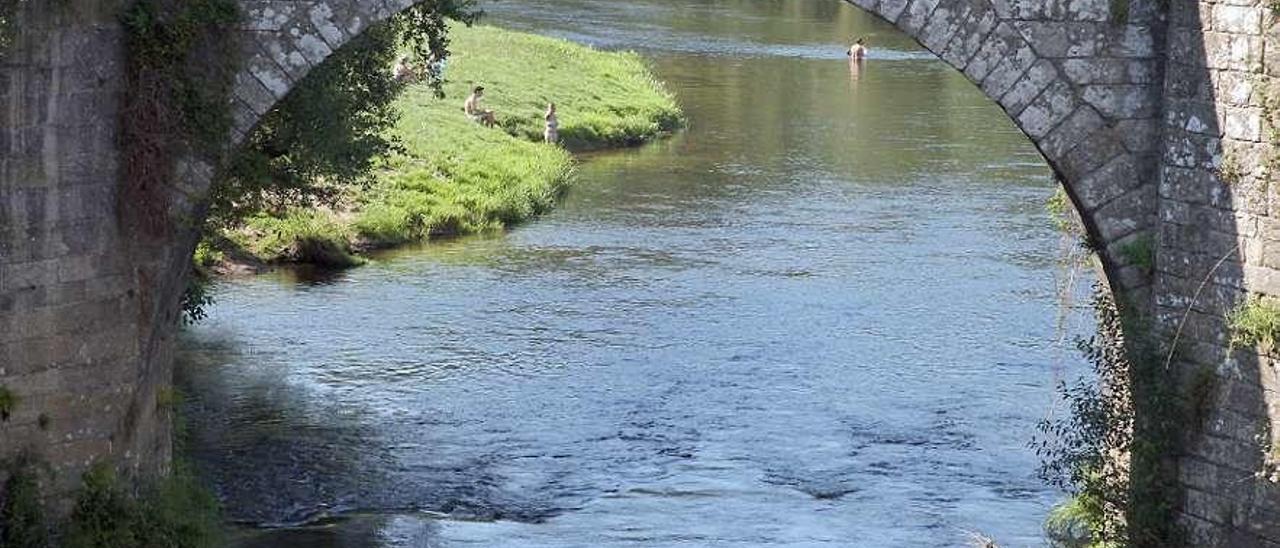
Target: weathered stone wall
x,y
78,302
1219,239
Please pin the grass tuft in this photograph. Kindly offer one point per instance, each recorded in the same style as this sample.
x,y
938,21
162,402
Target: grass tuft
x,y
1074,523
1255,322
300,235
1140,252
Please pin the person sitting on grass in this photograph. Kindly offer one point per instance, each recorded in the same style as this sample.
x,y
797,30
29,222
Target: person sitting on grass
x,y
405,72
475,113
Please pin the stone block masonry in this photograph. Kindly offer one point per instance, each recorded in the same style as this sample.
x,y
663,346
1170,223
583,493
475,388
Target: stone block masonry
x,y
75,324
1217,244
1155,122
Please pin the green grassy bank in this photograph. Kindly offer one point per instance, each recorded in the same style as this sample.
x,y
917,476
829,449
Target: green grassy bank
x,y
457,177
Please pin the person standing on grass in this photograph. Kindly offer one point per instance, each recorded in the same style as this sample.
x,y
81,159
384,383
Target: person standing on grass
x,y
858,51
552,132
475,112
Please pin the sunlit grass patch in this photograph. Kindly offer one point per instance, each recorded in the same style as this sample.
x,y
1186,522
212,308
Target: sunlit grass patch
x,y
454,176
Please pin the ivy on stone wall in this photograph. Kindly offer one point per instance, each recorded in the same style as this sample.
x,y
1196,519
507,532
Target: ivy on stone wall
x,y
179,75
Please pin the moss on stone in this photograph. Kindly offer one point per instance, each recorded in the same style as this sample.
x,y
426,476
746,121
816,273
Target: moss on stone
x,y
1140,252
8,402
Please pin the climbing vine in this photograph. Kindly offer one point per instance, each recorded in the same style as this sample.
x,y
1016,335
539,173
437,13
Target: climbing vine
x,y
1078,450
1112,450
179,76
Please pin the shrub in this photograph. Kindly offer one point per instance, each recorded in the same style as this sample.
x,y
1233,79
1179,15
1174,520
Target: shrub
x,y
21,516
176,513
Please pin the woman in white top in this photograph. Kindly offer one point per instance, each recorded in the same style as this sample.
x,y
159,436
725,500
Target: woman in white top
x,y
552,133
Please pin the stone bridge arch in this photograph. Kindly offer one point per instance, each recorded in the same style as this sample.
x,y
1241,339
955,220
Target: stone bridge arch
x,y
1085,89
1133,113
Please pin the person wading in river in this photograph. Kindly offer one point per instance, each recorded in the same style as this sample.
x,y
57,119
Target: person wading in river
x,y
858,51
474,112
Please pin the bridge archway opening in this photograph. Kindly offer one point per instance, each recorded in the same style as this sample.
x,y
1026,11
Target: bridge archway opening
x,y
1068,117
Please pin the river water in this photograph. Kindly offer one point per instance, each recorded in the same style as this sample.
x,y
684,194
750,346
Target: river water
x,y
826,314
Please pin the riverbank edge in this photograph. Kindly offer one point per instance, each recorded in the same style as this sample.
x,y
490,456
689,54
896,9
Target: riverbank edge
x,y
342,236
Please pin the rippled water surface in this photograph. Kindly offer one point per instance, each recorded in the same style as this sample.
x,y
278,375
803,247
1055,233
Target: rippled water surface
x,y
824,315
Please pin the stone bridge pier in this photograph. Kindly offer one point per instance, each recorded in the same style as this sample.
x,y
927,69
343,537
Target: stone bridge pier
x,y
1154,114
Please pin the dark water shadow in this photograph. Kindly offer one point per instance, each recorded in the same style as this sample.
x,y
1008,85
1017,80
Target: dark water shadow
x,y
356,531
301,472
313,275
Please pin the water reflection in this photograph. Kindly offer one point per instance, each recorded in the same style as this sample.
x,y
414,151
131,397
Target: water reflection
x,y
856,67
816,317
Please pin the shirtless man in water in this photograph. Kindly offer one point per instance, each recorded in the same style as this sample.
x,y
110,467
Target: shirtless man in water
x,y
473,110
858,51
